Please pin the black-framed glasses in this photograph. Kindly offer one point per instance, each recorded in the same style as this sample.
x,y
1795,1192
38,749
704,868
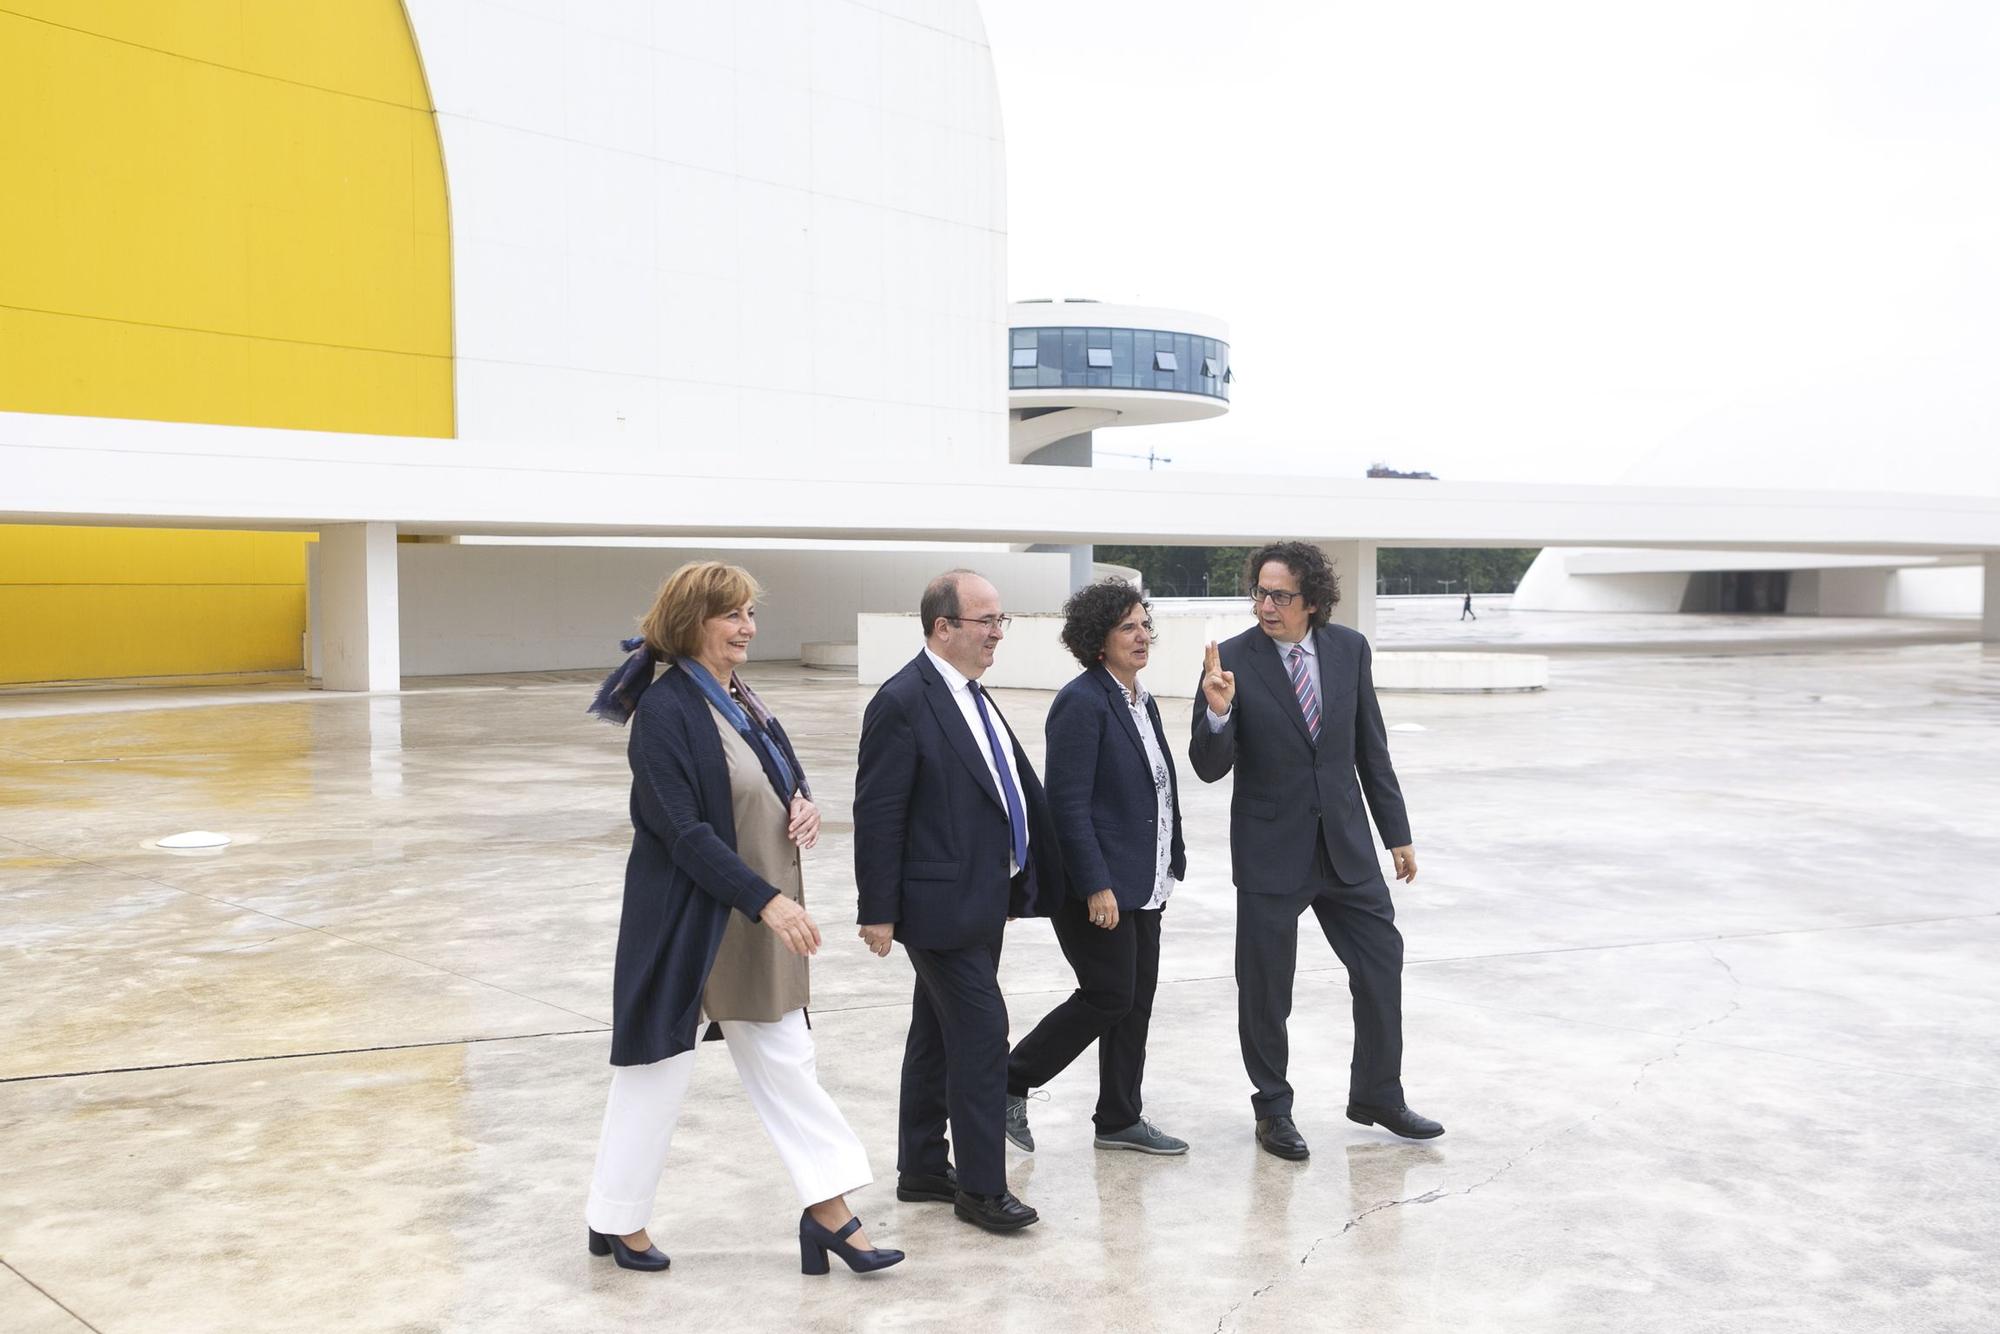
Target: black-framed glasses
x,y
1280,597
988,623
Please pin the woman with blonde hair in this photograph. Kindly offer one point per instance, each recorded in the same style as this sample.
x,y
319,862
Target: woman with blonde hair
x,y
714,925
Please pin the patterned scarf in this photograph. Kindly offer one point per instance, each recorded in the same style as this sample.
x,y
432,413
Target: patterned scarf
x,y
617,699
754,729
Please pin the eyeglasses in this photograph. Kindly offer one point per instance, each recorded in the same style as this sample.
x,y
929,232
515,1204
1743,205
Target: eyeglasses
x,y
1147,626
1279,597
987,623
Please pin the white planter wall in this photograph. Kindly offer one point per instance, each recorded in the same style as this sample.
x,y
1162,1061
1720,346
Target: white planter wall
x,y
482,608
1032,657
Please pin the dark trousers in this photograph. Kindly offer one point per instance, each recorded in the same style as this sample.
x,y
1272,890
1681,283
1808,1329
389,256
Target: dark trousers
x,y
955,1066
1116,973
1360,924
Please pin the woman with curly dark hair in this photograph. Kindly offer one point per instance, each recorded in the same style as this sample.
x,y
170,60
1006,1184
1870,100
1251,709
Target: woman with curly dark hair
x,y
1116,805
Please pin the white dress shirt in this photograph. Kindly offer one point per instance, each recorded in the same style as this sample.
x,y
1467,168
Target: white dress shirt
x,y
1216,720
968,709
1163,788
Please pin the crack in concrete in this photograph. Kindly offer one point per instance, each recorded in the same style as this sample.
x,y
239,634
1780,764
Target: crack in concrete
x,y
1440,1193
9,1267
1687,1034
1435,1193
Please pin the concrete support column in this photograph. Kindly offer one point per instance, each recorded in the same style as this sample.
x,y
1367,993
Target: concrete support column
x,y
1082,560
1354,563
359,627
1072,451
1989,616
1082,565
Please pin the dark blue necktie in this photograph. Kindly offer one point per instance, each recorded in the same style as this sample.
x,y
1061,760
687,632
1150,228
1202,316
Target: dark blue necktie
x,y
1017,820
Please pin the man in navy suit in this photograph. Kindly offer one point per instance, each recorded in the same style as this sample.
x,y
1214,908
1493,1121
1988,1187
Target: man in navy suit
x,y
951,840
1299,734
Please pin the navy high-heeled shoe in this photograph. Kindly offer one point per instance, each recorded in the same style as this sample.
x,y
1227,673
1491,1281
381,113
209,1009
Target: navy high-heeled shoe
x,y
815,1241
652,1259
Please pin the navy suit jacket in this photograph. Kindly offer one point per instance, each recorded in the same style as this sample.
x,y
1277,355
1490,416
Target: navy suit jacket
x,y
683,876
1101,791
931,838
1289,791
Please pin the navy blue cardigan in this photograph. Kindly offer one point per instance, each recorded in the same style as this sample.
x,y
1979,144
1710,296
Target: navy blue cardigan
x,y
683,876
1101,792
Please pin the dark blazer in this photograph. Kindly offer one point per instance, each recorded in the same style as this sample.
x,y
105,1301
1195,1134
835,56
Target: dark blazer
x,y
1287,790
1101,792
931,839
683,876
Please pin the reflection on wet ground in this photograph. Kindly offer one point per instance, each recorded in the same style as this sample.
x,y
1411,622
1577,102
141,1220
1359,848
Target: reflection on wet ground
x,y
1700,981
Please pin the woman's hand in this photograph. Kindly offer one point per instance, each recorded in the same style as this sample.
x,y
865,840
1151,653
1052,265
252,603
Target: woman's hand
x,y
1104,909
804,830
793,924
1217,686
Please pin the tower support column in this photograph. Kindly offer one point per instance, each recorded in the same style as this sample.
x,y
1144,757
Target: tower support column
x,y
1354,563
1989,615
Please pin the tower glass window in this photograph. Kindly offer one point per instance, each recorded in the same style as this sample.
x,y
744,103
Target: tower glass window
x,y
1150,359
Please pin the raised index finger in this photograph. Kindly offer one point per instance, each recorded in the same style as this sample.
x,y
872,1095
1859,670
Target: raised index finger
x,y
1210,658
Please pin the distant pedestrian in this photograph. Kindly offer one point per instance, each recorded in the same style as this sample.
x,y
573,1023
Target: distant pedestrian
x,y
1467,609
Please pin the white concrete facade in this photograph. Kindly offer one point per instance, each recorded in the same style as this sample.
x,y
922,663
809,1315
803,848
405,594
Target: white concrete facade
x,y
738,271
740,238
176,474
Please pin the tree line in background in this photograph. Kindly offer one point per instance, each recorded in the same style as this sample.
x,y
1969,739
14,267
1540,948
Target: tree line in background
x,y
1194,572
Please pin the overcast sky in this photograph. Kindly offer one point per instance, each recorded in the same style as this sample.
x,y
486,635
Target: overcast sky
x,y
1531,240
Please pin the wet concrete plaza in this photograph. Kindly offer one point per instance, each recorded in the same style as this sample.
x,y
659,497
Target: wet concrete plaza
x,y
1702,980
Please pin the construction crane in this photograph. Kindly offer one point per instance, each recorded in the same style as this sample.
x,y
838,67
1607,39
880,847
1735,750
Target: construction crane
x,y
1153,457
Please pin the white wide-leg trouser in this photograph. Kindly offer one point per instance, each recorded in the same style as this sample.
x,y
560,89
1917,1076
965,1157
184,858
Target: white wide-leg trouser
x,y
780,1074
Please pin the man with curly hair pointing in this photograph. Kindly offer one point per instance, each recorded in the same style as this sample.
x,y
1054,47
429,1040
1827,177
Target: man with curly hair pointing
x,y
1290,706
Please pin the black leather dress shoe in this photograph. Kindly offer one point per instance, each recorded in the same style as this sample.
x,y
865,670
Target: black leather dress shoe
x,y
917,1188
652,1259
1396,1120
1277,1135
995,1213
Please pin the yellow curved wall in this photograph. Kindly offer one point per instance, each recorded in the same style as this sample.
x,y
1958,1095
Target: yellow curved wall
x,y
214,211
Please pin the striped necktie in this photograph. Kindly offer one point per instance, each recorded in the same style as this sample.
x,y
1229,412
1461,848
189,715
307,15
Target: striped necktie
x,y
1302,684
1017,820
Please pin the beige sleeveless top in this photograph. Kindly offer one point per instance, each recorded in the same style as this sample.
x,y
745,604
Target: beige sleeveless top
x,y
755,977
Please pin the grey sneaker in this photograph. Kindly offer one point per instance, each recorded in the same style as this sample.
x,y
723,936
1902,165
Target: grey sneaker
x,y
1145,1137
1018,1133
